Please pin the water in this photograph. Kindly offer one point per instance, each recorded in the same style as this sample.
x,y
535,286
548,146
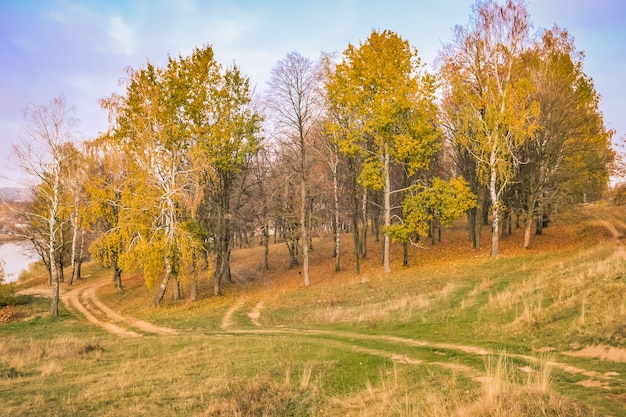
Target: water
x,y
16,258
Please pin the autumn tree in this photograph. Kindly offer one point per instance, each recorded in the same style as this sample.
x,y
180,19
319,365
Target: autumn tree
x,y
295,106
225,129
487,104
329,151
42,157
106,188
151,131
383,103
74,181
571,144
187,131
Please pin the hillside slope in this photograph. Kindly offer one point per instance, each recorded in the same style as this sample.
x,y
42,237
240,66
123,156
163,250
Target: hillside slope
x,y
538,332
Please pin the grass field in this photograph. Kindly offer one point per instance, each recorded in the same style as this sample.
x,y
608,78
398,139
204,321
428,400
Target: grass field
x,y
539,332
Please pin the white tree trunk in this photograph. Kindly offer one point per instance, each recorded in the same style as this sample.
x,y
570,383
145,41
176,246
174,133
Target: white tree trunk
x,y
52,225
495,203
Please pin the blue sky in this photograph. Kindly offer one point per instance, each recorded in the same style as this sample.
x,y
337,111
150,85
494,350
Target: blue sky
x,y
80,48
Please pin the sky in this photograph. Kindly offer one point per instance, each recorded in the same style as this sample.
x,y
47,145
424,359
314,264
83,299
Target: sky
x,y
81,48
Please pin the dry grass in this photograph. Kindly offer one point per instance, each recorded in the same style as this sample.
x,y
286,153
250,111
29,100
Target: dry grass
x,y
505,391
403,309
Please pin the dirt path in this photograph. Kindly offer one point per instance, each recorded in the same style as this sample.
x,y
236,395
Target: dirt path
x,y
600,379
82,298
227,320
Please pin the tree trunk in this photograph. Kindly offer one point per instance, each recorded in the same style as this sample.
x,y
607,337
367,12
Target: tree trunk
x,y
303,228
529,221
292,247
176,290
266,247
354,199
79,261
217,276
495,209
61,272
477,221
163,287
364,225
117,278
74,223
336,230
357,241
387,213
432,232
79,268
471,230
405,248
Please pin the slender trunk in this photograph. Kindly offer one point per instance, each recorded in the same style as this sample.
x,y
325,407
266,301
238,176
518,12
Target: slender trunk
x,y
527,228
529,221
163,287
79,267
193,291
176,290
266,247
405,248
471,230
54,308
61,269
217,276
304,232
337,219
539,228
81,248
354,195
226,269
477,222
493,193
74,242
117,278
387,213
364,225
432,232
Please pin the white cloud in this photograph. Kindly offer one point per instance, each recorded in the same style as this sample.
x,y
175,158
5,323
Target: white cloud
x,y
122,36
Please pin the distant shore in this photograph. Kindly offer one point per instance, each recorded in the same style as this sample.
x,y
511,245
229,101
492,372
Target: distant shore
x,y
4,238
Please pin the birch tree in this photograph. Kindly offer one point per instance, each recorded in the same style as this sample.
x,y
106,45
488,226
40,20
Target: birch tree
x,y
41,155
106,187
488,105
150,129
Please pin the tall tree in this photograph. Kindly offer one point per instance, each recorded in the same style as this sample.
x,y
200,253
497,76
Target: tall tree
x,y
41,156
106,186
384,103
570,141
74,179
188,131
488,104
150,129
226,132
295,104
